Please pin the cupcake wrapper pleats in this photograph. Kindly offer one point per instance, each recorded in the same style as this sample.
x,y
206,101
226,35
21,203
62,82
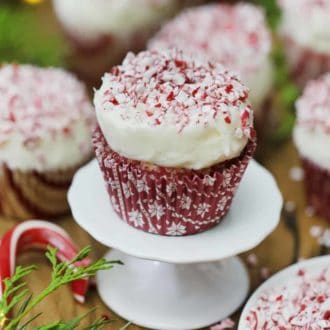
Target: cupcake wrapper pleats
x,y
169,201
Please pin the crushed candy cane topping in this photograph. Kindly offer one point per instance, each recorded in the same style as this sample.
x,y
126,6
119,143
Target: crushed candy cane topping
x,y
223,325
235,35
303,303
170,87
35,102
313,107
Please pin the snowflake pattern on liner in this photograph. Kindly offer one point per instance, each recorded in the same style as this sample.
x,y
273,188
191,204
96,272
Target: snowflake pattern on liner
x,y
169,201
135,217
176,229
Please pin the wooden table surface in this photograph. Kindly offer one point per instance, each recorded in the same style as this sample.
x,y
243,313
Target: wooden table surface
x,y
275,253
279,250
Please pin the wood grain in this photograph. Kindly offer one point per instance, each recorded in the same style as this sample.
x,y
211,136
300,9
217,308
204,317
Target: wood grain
x,y
275,253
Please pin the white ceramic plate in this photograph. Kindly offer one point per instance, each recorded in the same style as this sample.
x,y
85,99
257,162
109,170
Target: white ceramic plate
x,y
254,214
313,265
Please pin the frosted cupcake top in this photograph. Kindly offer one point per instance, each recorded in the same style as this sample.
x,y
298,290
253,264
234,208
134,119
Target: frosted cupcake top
x,y
307,22
304,303
45,118
312,130
235,35
92,19
313,107
172,110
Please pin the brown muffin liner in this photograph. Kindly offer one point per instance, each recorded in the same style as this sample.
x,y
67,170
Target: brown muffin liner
x,y
305,63
317,184
169,201
30,194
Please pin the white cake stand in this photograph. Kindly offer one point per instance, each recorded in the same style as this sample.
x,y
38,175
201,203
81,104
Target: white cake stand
x,y
177,282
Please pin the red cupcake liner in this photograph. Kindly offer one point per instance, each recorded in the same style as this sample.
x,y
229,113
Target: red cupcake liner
x,y
317,184
305,63
168,201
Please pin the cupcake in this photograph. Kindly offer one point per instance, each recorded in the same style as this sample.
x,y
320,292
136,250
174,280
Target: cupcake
x,y
46,121
305,29
102,31
234,35
312,139
175,136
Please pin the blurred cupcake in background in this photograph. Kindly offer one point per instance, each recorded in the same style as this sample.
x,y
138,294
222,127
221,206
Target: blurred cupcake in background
x,y
174,139
102,31
234,35
46,121
312,139
305,29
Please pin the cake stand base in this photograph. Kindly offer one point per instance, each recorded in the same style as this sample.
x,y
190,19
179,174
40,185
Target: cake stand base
x,y
167,296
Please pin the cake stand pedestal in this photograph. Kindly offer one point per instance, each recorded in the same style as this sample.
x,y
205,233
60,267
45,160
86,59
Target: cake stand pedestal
x,y
185,282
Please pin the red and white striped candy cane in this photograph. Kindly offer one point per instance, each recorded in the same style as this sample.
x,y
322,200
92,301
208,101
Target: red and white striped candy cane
x,y
39,235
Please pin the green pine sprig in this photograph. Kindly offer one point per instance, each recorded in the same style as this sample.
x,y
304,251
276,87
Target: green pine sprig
x,y
287,93
285,90
17,296
23,38
272,10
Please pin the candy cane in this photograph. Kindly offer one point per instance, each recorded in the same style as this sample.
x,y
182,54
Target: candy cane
x,y
39,235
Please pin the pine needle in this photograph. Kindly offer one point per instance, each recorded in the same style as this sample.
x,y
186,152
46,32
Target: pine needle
x,y
15,293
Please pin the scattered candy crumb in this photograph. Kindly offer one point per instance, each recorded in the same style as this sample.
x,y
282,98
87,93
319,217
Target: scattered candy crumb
x,y
325,238
309,211
252,259
225,324
264,273
290,206
316,231
322,235
296,174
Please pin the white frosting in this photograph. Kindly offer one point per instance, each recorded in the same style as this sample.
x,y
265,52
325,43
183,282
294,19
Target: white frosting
x,y
89,20
312,129
51,153
235,35
260,84
195,147
46,119
158,117
307,22
313,144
